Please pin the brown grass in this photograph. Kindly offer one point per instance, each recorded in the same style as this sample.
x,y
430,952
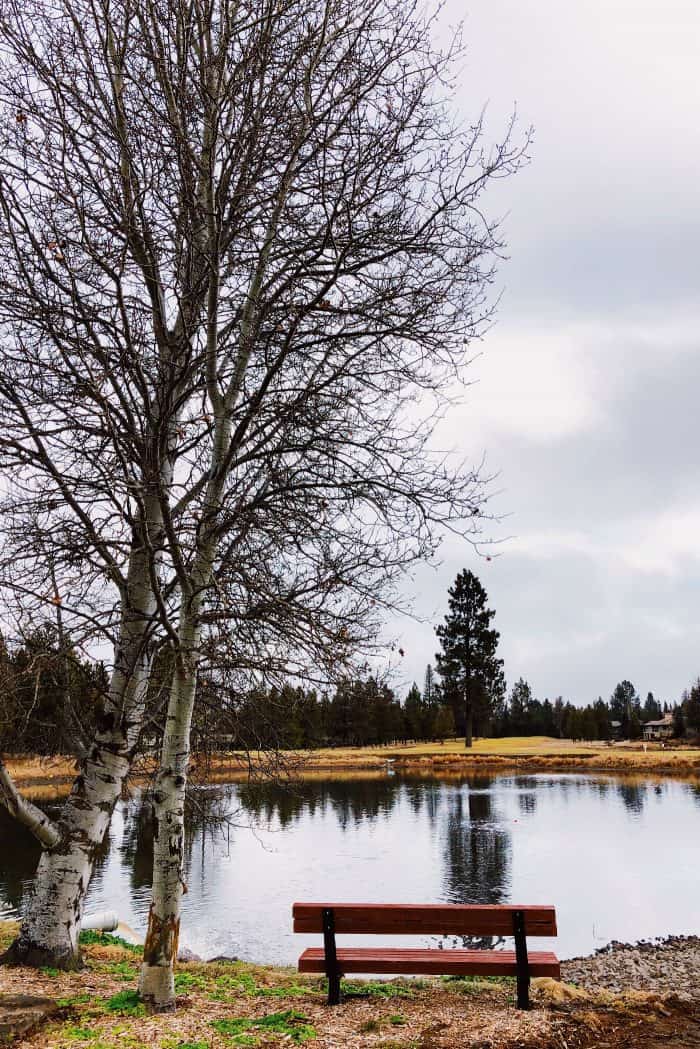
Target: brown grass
x,y
44,777
536,753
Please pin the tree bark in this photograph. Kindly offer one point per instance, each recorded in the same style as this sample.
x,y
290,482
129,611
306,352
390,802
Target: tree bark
x,y
49,931
24,811
157,982
468,720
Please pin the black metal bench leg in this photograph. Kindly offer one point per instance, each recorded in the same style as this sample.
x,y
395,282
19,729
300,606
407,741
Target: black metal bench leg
x,y
332,971
334,990
523,968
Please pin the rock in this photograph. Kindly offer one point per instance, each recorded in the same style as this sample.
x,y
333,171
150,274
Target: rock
x,y
186,955
222,959
19,1013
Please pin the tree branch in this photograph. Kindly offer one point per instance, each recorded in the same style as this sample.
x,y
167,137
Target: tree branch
x,y
44,830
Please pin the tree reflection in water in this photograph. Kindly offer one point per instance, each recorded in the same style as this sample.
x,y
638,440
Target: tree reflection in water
x,y
633,795
478,854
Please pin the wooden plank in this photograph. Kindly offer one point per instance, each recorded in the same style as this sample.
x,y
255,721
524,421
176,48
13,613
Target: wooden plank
x,y
425,919
425,962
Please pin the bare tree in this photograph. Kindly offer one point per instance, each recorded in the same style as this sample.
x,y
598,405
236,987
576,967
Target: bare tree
x,y
86,427
256,258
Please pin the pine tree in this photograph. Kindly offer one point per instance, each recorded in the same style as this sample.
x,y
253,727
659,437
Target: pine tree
x,y
519,707
444,726
651,711
691,707
471,673
431,702
626,708
678,730
413,708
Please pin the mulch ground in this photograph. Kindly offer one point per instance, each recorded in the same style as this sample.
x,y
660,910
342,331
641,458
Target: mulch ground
x,y
237,1004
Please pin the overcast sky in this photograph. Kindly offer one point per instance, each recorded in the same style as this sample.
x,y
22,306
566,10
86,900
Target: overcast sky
x,y
586,397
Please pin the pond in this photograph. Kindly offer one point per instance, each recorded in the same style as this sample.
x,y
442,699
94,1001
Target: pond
x,y
618,857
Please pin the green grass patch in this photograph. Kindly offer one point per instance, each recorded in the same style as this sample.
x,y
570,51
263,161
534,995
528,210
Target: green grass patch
x,y
377,1023
79,1034
122,970
48,970
185,982
381,988
290,1024
243,982
474,984
126,1003
74,1001
231,1025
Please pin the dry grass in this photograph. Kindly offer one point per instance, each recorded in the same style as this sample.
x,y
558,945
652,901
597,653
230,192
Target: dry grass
x,y
224,1005
523,753
44,777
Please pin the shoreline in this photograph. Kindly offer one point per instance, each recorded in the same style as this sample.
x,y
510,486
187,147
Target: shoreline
x,y
54,775
668,964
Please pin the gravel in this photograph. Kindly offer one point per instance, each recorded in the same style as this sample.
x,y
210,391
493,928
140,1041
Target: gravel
x,y
664,965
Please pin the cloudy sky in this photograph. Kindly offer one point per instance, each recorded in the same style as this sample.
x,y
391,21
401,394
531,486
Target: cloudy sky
x,y
586,397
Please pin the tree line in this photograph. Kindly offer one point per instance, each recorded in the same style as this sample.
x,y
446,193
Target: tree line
x,y
622,716
52,697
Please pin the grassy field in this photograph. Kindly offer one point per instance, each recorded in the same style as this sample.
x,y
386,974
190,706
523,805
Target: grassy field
x,y
37,776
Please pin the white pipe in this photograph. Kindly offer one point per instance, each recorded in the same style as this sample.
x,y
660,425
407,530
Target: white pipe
x,y
103,921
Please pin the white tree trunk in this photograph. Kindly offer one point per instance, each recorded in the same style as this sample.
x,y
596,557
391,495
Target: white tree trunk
x,y
157,982
24,811
51,922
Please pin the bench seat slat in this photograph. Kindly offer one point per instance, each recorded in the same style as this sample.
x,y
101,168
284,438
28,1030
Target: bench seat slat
x,y
429,962
425,919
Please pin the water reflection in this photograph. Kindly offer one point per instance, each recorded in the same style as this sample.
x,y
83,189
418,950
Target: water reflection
x,y
633,796
596,847
477,855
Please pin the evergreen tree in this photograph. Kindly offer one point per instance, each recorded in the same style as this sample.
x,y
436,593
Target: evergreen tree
x,y
559,713
471,673
444,726
678,730
651,711
692,707
430,689
626,708
413,709
431,702
520,705
602,720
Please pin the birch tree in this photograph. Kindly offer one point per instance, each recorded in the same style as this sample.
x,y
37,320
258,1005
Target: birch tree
x,y
244,258
87,419
347,264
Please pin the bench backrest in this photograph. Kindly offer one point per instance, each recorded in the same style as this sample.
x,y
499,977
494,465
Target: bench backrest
x,y
424,919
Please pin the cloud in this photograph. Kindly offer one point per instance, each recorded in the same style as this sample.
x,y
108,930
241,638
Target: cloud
x,y
585,398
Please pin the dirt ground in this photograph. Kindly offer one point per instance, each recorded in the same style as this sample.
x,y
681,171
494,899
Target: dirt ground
x,y
237,1004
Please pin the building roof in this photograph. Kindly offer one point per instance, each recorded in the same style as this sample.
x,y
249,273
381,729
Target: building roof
x,y
667,719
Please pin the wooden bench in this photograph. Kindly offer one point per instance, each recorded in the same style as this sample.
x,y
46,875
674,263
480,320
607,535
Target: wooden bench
x,y
421,920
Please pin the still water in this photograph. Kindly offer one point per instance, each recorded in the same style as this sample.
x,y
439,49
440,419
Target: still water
x,y
619,858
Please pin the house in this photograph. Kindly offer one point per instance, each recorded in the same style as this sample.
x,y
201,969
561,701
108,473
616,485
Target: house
x,y
616,730
662,729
